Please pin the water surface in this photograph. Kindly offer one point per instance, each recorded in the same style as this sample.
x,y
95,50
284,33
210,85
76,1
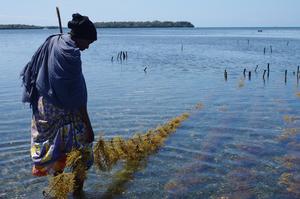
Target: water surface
x,y
232,147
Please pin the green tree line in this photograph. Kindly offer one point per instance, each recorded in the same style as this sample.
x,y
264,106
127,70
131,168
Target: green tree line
x,y
146,24
124,24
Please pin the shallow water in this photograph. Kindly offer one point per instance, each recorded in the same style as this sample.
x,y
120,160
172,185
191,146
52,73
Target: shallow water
x,y
231,147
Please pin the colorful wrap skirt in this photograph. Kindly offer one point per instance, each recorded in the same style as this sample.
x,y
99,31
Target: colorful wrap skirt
x,y
54,133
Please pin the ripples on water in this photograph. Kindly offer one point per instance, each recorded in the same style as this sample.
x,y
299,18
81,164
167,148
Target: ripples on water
x,y
235,146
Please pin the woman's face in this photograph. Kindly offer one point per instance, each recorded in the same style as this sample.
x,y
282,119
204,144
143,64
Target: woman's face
x,y
83,44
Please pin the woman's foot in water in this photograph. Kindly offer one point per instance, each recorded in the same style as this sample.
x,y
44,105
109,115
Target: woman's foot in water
x,y
78,189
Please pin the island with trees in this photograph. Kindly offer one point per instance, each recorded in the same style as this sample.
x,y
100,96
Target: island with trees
x,y
23,26
146,24
19,26
126,24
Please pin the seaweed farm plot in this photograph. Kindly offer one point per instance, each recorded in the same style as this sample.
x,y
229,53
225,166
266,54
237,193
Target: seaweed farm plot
x,y
239,86
290,160
107,154
240,162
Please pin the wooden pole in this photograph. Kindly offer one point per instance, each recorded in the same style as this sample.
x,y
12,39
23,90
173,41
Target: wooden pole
x,y
264,74
256,68
59,20
285,76
268,70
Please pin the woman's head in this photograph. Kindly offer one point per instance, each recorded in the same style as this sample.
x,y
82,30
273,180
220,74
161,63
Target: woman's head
x,y
83,31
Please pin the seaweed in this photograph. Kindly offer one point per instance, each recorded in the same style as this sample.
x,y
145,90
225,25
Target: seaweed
x,y
60,186
122,176
290,119
108,153
290,182
241,83
64,183
289,178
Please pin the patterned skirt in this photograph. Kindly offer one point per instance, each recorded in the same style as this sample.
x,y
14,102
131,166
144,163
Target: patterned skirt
x,y
54,133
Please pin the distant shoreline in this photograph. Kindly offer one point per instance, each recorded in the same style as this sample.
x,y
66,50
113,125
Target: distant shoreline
x,y
23,26
109,25
146,24
129,24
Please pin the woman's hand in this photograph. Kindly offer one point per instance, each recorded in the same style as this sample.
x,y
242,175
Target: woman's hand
x,y
89,133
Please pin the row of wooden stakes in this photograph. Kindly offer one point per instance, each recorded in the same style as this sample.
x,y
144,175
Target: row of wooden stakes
x,y
266,72
122,55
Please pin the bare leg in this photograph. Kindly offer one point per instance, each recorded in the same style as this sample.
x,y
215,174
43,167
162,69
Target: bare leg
x,y
78,188
79,172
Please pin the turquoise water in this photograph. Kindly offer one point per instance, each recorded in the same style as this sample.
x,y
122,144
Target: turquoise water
x,y
232,147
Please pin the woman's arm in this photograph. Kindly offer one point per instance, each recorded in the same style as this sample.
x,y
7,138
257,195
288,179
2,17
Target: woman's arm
x,y
87,122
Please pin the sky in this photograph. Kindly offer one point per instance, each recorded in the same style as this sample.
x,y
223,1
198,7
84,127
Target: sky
x,y
202,13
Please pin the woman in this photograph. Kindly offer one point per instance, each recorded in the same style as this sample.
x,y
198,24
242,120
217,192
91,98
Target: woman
x,y
56,90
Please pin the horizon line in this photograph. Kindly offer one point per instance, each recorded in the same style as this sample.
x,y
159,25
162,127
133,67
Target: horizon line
x,y
165,27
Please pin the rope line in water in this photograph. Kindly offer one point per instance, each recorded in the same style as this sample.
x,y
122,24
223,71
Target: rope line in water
x,y
108,152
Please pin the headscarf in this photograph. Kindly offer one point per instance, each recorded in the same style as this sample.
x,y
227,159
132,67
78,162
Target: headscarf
x,y
82,28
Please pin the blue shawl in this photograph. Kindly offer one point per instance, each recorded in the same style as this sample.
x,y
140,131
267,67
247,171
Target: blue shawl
x,y
55,73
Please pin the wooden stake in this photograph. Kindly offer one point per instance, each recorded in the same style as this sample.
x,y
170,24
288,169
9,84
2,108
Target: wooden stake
x,y
256,68
268,70
298,75
59,20
264,74
285,76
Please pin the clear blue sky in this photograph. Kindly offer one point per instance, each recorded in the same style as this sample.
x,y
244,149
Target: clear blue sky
x,y
202,13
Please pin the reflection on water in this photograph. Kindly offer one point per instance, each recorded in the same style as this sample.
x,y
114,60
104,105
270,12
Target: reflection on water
x,y
244,143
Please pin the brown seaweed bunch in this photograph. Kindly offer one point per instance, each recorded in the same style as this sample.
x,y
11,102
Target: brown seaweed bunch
x,y
77,161
290,119
108,153
291,183
288,134
121,177
63,184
